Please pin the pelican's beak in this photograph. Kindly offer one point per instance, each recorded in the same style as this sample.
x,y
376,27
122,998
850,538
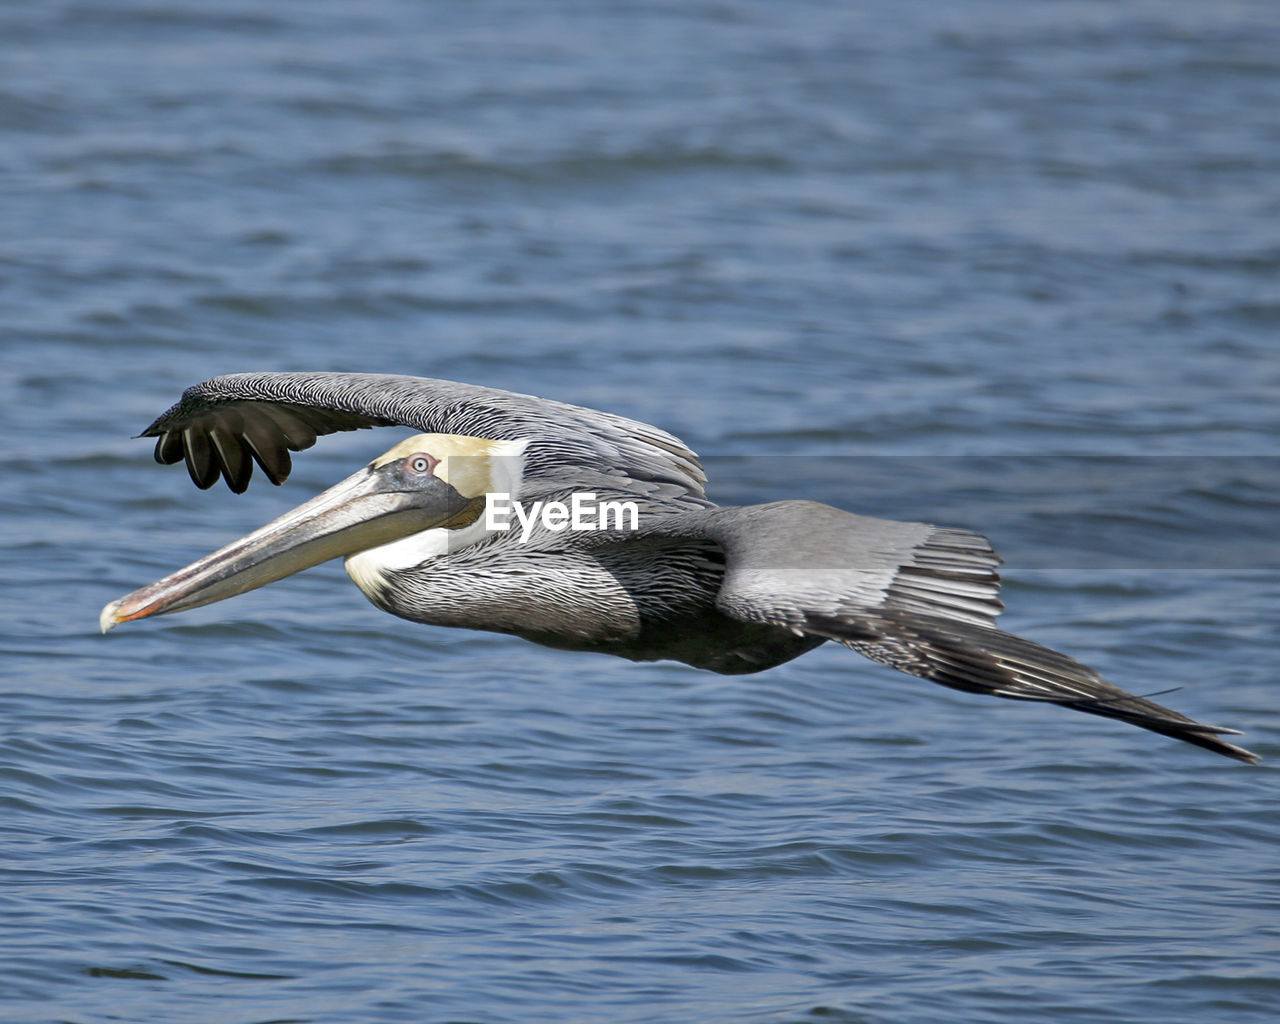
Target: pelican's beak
x,y
371,507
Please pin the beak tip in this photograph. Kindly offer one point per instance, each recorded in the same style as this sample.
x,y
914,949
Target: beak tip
x,y
108,620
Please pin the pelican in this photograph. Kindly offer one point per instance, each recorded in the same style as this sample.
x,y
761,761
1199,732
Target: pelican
x,y
729,589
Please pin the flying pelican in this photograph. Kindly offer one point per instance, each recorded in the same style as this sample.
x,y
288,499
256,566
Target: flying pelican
x,y
730,589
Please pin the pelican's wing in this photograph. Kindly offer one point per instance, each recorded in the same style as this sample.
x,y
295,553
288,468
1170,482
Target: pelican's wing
x,y
225,425
919,598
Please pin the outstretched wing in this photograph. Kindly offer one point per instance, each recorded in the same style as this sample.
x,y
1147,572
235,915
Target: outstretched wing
x,y
225,425
919,598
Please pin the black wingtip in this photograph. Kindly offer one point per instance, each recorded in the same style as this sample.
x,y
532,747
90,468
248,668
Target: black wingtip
x,y
1142,712
980,659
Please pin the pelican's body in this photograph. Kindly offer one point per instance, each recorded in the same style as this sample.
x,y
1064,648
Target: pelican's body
x,y
640,600
727,589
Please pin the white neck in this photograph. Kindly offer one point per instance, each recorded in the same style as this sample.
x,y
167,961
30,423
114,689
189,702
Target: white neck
x,y
369,568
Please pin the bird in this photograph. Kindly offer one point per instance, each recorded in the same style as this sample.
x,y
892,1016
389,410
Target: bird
x,y
730,589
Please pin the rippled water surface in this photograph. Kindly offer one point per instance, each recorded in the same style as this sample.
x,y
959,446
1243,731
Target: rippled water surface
x,y
996,230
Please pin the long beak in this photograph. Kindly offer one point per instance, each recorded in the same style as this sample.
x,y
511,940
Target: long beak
x,y
356,514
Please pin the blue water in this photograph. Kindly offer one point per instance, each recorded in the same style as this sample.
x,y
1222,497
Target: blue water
x,y
805,229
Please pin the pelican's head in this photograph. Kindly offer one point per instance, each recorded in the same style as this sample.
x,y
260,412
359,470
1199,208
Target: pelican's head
x,y
422,498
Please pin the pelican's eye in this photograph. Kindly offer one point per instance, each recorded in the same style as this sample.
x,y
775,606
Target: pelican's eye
x,y
421,464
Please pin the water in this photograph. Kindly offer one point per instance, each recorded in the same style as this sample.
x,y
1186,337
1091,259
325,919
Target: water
x,y
889,229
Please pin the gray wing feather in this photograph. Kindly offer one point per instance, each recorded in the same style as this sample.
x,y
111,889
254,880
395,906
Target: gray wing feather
x,y
789,560
919,598
226,424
